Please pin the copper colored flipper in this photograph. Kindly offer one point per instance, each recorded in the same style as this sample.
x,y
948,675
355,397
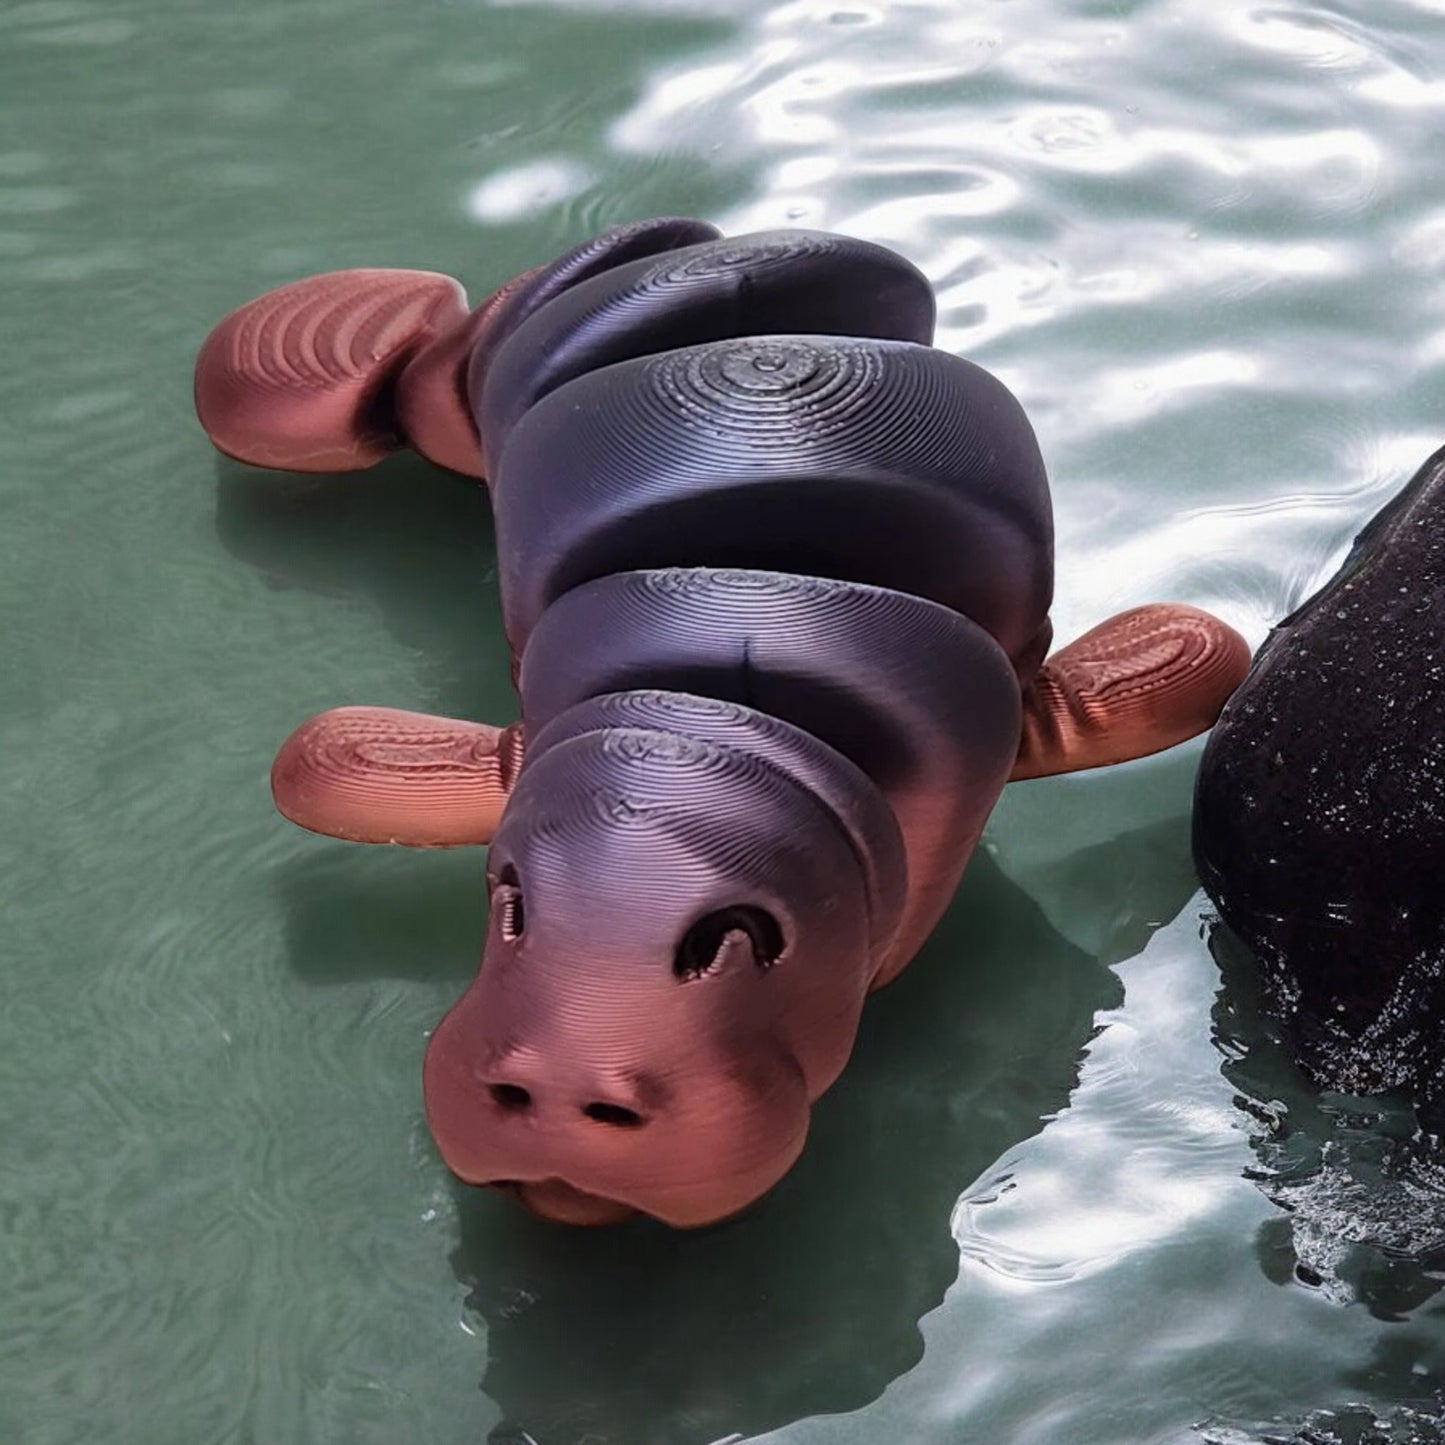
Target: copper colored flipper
x,y
378,775
432,406
302,378
1136,684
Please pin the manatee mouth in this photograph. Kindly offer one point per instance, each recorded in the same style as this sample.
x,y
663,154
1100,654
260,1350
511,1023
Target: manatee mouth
x,y
559,1202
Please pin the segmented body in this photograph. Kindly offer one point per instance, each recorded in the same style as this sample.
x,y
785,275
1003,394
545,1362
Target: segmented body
x,y
776,577
740,497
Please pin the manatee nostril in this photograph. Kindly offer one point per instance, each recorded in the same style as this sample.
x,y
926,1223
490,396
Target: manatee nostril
x,y
512,1097
619,1116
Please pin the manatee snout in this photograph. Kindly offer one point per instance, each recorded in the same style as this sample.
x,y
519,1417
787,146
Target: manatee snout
x,y
674,969
584,1136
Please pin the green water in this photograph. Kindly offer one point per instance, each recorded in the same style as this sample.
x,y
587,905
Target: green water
x,y
1202,239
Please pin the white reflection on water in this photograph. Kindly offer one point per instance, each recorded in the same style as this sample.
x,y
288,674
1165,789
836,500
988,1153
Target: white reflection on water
x,y
1131,393
1056,172
1144,1153
525,190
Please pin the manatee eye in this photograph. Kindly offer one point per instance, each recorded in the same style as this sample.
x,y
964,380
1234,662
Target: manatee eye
x,y
703,945
507,901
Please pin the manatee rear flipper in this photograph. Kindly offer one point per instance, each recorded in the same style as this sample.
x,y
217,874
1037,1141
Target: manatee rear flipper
x,y
1136,684
378,775
335,372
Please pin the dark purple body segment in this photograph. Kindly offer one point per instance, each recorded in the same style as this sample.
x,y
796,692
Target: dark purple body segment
x,y
772,282
920,699
862,460
617,247
773,571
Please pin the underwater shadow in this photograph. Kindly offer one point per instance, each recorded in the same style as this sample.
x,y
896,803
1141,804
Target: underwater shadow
x,y
809,1302
417,544
415,541
352,912
1110,897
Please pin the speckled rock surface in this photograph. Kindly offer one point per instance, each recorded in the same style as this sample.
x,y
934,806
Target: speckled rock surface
x,y
1320,809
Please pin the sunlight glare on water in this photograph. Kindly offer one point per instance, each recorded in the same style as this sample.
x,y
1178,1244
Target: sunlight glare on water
x,y
1069,1191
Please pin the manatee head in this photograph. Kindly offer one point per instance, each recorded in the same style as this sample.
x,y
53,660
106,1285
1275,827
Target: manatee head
x,y
675,963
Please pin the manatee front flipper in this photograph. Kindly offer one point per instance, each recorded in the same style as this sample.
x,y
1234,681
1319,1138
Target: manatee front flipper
x,y
1134,685
379,775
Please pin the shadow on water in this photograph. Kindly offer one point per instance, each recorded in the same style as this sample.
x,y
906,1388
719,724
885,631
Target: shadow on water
x,y
809,1302
354,913
414,541
1360,1185
1111,896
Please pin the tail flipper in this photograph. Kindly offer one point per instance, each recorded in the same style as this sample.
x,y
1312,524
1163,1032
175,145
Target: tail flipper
x,y
305,378
335,372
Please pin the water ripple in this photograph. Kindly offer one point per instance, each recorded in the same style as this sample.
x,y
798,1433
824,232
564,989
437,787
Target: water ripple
x,y
1128,1167
1203,241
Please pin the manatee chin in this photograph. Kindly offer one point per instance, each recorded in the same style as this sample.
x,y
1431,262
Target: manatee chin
x,y
728,1127
559,1203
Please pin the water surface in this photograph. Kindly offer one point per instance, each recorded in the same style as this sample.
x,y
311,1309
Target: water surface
x,y
1069,1189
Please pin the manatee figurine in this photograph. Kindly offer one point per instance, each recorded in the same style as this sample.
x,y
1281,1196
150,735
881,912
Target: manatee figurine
x,y
776,578
1320,809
